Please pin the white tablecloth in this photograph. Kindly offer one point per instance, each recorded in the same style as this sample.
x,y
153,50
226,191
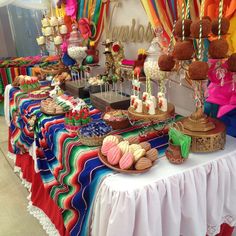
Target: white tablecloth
x,y
191,199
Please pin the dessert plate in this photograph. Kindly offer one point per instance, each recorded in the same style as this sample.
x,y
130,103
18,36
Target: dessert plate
x,y
103,159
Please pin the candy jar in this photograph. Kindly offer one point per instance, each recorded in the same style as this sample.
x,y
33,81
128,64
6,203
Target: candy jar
x,y
75,48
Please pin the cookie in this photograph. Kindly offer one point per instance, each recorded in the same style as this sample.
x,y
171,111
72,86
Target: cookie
x,y
126,161
146,146
114,155
143,163
138,154
152,154
124,146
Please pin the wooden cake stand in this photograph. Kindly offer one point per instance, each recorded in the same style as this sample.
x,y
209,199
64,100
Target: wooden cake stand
x,y
159,116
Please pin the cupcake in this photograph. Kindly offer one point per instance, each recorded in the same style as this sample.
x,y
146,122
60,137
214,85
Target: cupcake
x,y
195,28
224,26
218,48
166,62
178,28
232,62
198,70
183,50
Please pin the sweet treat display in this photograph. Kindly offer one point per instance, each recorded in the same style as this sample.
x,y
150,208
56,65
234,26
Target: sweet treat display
x,y
178,28
195,28
28,84
232,62
50,107
126,161
93,134
183,50
126,156
143,163
218,48
166,62
39,94
224,27
198,70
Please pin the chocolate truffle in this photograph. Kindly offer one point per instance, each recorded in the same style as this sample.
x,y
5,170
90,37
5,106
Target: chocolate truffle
x,y
183,50
198,70
224,26
218,48
195,28
178,28
232,62
166,62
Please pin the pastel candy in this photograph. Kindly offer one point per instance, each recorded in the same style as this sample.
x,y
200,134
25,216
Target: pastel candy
x,y
146,146
112,138
124,146
134,147
114,155
107,146
126,161
143,163
138,154
133,140
152,154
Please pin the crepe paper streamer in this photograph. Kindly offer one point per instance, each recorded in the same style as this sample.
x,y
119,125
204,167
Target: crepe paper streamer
x,y
180,139
221,4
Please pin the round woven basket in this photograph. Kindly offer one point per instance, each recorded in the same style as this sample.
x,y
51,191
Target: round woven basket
x,y
173,154
92,141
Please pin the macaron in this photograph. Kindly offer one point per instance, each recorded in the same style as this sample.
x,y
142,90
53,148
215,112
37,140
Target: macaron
x,y
114,155
126,161
138,154
152,154
107,146
146,146
143,163
124,146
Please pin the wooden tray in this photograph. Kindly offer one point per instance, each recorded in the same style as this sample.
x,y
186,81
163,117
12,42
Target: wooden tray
x,y
51,114
159,116
103,159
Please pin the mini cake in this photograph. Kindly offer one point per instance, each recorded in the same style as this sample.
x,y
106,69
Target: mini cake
x,y
166,62
126,161
74,119
107,146
183,50
152,154
143,163
224,26
232,62
39,94
195,28
114,155
28,84
218,48
178,28
198,70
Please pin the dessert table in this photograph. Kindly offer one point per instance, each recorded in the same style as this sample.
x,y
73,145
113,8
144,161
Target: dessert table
x,y
86,197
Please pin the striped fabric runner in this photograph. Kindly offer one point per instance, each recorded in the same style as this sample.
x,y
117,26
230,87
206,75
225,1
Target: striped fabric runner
x,y
70,171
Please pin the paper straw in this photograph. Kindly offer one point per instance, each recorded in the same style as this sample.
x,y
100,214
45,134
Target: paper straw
x,y
221,4
183,37
171,39
200,31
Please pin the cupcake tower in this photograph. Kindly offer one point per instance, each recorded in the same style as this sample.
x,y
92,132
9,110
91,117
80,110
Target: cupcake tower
x,y
128,154
53,30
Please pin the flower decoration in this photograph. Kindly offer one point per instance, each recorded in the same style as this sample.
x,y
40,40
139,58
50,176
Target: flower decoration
x,y
84,28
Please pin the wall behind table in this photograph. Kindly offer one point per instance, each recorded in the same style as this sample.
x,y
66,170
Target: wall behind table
x,y
181,96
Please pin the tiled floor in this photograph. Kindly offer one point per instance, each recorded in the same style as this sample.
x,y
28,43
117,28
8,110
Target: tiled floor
x,y
14,218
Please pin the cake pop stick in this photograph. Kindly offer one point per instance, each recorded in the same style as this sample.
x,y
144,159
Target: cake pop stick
x,y
220,17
